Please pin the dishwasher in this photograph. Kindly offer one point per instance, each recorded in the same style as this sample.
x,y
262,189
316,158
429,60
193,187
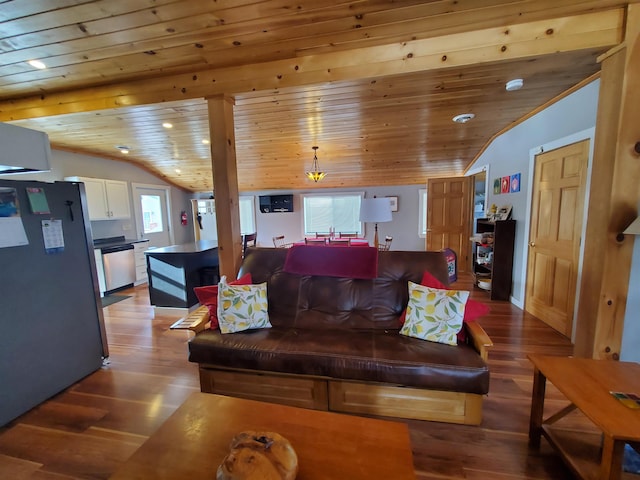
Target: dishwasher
x,y
119,266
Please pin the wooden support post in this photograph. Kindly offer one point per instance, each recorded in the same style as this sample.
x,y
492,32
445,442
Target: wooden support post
x,y
614,201
225,183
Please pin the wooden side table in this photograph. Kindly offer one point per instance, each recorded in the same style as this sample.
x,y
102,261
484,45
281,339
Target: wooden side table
x,y
586,383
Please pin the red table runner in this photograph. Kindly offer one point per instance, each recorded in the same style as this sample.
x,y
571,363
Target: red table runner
x,y
332,261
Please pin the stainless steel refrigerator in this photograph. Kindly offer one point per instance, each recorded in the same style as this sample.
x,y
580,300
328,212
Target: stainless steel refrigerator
x,y
51,324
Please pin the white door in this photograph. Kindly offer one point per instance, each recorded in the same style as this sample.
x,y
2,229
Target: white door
x,y
204,219
152,214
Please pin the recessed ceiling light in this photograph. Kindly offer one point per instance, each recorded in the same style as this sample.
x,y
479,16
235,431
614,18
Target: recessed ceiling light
x,y
205,141
515,84
177,170
123,149
37,64
463,117
167,125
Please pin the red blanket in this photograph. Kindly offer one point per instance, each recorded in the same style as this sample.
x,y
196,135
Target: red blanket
x,y
332,261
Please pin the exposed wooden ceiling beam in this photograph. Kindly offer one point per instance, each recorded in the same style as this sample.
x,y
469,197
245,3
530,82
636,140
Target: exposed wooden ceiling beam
x,y
516,41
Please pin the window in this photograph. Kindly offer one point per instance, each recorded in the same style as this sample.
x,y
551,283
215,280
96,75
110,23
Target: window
x,y
324,212
247,215
151,213
205,206
422,212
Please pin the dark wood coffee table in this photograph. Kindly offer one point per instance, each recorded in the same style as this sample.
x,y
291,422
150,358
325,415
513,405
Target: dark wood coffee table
x,y
194,440
586,383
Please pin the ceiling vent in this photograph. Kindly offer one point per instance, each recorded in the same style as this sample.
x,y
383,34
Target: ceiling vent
x,y
463,117
515,84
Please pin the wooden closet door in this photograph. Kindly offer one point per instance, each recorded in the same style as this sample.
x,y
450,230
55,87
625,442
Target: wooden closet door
x,y
554,238
449,210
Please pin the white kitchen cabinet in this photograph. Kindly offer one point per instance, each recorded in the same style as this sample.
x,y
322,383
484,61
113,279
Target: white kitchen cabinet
x,y
141,261
107,199
118,199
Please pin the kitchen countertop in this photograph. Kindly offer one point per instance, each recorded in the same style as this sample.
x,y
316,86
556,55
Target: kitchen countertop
x,y
192,247
115,241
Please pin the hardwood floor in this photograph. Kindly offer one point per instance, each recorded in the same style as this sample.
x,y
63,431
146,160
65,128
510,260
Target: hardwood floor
x,y
92,427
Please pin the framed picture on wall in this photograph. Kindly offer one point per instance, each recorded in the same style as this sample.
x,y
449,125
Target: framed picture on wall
x,y
496,186
394,203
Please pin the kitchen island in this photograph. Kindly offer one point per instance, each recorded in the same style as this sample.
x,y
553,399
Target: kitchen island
x,y
175,270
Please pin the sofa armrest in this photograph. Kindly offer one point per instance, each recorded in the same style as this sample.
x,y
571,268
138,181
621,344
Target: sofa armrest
x,y
196,321
479,339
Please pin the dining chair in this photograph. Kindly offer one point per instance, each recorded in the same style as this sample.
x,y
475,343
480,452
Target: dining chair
x,y
323,235
383,247
279,242
340,241
315,241
248,240
347,235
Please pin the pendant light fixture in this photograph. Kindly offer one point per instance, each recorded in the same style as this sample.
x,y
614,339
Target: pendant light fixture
x,y
315,174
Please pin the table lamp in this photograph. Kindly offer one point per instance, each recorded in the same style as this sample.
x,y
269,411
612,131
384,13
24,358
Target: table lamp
x,y
375,210
634,228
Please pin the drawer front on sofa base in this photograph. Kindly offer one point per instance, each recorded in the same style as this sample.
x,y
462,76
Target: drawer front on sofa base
x,y
319,393
404,402
305,392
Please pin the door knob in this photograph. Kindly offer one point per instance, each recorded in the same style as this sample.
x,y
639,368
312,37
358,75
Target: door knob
x,y
532,244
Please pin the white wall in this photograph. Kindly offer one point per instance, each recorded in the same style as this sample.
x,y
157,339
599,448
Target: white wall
x,y
631,332
510,154
67,164
403,228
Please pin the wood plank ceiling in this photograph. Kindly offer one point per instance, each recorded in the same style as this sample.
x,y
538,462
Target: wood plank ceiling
x,y
374,84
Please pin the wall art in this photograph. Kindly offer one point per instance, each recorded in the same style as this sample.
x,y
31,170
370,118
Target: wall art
x,y
496,186
515,183
506,184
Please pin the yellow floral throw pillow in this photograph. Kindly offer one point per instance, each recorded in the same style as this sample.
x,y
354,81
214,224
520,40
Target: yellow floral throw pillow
x,y
433,314
242,307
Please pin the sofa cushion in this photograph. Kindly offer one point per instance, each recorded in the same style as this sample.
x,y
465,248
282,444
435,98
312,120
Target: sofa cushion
x,y
295,300
395,270
242,307
327,302
434,314
266,265
473,310
208,296
373,355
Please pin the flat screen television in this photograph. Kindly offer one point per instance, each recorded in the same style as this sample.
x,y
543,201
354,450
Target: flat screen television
x,y
276,203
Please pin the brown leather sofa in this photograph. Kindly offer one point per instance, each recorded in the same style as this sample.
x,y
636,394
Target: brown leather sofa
x,y
335,346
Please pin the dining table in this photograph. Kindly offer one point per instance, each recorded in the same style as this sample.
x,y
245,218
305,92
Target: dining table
x,y
350,242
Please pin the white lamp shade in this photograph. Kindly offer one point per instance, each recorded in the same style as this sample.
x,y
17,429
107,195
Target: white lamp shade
x,y
634,228
375,210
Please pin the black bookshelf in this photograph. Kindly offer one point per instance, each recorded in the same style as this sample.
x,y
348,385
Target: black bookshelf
x,y
493,257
